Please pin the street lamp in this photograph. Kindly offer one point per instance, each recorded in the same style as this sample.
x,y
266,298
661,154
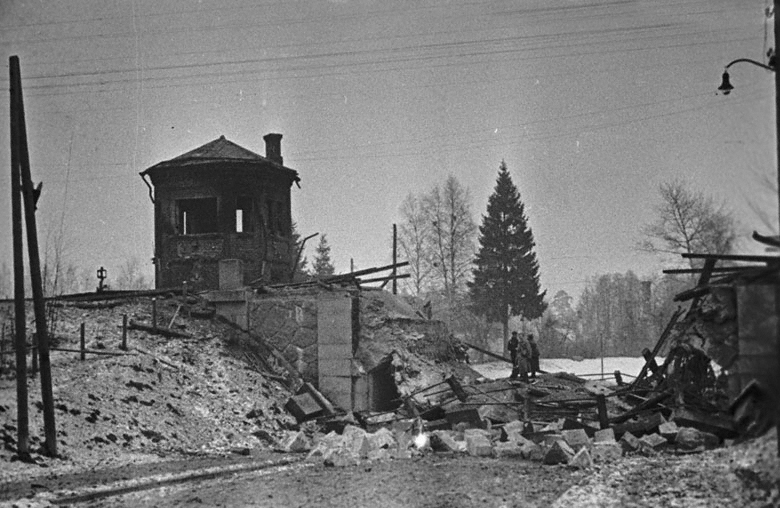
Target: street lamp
x,y
725,85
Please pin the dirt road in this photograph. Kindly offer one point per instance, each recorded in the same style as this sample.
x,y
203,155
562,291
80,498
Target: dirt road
x,y
430,481
709,479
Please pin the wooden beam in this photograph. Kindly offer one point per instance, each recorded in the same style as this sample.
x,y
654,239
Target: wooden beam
x,y
758,258
719,269
384,279
489,353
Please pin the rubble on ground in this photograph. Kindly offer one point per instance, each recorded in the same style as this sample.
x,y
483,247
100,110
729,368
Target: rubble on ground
x,y
209,389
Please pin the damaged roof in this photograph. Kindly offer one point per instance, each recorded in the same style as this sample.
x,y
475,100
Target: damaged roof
x,y
220,151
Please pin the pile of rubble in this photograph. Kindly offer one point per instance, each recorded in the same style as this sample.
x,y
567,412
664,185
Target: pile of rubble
x,y
577,447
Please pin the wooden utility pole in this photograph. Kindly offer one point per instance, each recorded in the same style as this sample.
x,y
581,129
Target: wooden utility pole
x,y
20,339
395,258
39,305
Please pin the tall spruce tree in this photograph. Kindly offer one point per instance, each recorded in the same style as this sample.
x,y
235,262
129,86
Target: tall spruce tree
x,y
506,276
322,266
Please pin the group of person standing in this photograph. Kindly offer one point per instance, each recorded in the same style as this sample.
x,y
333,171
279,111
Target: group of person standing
x,y
524,353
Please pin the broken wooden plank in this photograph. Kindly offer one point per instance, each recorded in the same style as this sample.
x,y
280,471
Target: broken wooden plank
x,y
758,258
132,325
161,360
658,345
384,279
489,353
90,351
644,406
643,425
320,398
714,423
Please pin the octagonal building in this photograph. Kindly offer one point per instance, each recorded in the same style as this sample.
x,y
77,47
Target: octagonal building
x,y
222,216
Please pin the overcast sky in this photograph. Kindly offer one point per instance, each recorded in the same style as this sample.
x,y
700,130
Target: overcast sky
x,y
591,103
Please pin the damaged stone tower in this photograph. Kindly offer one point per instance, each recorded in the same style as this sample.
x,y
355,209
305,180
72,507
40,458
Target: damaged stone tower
x,y
222,216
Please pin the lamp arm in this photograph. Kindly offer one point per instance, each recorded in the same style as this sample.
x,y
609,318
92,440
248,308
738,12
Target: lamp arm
x,y
748,60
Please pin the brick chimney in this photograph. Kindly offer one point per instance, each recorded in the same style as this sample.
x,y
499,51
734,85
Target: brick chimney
x,y
273,147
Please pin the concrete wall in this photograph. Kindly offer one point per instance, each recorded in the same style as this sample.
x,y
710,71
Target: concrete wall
x,y
288,322
757,357
335,347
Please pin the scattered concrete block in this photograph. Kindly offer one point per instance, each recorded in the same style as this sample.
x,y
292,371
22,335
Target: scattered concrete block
x,y
570,424
582,459
318,452
629,442
576,438
497,414
507,449
358,445
443,441
382,438
515,426
604,436
352,430
533,451
689,438
551,439
654,441
668,430
476,432
478,445
295,442
559,453
469,416
711,440
303,407
606,451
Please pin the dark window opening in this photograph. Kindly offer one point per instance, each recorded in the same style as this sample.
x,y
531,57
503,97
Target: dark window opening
x,y
196,216
244,223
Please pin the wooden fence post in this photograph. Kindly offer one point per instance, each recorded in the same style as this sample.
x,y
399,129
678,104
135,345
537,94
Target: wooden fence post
x,y
154,313
124,332
601,403
83,348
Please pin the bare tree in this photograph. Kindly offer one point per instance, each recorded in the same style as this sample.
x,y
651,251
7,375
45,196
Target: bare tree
x,y
453,234
413,237
131,276
688,221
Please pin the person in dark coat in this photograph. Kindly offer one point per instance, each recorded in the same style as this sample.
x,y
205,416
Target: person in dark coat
x,y
534,360
512,346
523,359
